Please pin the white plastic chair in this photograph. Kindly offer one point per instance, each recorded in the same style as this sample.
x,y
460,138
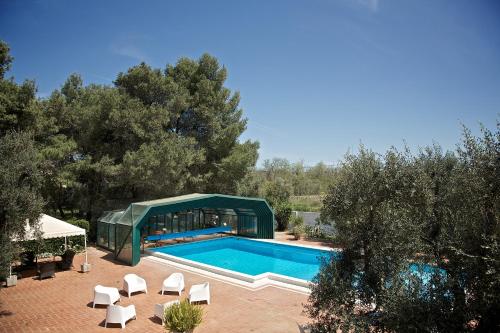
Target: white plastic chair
x,y
105,295
119,314
175,282
133,283
160,309
199,292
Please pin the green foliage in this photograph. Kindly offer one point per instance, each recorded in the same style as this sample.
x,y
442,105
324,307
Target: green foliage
x,y
316,232
297,226
16,106
195,105
72,88
436,208
307,203
20,200
277,192
52,246
305,185
81,223
182,317
156,168
298,230
155,133
282,214
296,220
5,59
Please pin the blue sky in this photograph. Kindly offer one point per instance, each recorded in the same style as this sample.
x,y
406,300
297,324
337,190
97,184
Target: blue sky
x,y
316,77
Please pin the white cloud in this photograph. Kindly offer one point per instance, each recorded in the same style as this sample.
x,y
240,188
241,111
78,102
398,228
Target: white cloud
x,y
129,50
128,47
372,5
267,130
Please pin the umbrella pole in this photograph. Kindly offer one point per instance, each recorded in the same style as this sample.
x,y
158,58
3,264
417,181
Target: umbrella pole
x,y
85,240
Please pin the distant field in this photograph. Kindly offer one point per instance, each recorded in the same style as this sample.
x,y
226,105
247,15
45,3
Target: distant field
x,y
307,203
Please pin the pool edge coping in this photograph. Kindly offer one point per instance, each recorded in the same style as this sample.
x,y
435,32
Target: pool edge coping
x,y
253,282
246,281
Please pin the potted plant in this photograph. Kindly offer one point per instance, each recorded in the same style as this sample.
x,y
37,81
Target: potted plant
x,y
69,254
182,317
67,259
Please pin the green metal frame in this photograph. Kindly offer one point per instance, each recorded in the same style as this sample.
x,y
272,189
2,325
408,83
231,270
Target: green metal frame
x,y
138,214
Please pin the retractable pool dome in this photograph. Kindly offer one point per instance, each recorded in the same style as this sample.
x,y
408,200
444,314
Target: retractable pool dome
x,y
121,231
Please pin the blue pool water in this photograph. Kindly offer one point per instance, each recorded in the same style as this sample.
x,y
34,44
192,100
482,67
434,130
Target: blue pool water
x,y
252,257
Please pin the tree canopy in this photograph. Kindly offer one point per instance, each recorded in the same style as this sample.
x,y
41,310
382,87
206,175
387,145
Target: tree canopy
x,y
420,236
153,133
20,199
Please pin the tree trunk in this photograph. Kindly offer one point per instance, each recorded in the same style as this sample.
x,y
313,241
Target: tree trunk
x,y
61,211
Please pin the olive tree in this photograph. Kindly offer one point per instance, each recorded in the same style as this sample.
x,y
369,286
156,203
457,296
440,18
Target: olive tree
x,y
421,241
371,203
20,200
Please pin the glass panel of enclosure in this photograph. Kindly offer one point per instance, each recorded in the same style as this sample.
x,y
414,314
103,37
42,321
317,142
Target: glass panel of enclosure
x,y
188,220
137,211
111,238
124,242
102,234
229,221
175,223
182,222
247,225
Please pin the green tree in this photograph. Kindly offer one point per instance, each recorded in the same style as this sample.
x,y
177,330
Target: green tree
x,y
371,202
154,134
277,194
156,168
474,249
194,104
16,112
20,200
5,59
439,209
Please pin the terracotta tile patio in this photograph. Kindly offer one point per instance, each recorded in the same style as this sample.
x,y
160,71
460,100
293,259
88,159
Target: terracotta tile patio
x,y
63,304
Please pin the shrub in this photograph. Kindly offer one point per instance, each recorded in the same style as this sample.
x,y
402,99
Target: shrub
x,y
296,220
81,223
53,246
316,232
298,231
282,213
182,317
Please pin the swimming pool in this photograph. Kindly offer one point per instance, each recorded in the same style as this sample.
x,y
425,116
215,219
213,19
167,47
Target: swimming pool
x,y
252,257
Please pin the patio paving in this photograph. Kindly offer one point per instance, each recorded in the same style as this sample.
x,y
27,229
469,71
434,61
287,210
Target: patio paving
x,y
64,303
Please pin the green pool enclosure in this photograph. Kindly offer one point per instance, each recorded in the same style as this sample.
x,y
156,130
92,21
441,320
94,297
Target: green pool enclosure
x,y
122,231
